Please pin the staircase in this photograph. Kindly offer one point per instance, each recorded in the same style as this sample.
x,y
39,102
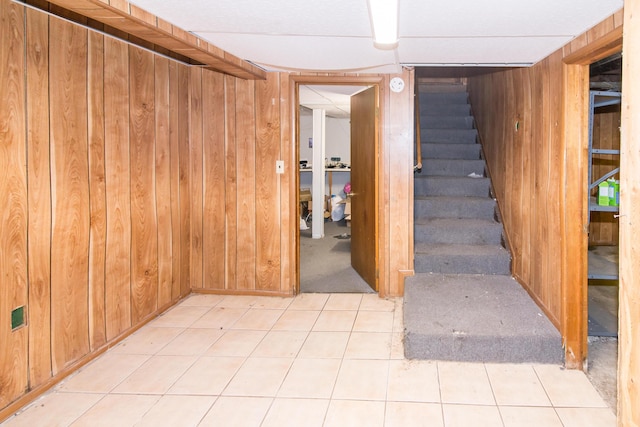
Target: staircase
x,y
463,304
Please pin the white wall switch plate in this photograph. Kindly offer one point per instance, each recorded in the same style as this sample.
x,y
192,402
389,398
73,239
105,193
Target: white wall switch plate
x,y
280,166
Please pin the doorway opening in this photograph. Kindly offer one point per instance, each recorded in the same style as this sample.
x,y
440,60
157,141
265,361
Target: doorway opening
x,y
330,160
605,87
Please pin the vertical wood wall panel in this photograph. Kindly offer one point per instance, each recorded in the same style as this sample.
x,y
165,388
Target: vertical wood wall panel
x,y
39,198
118,261
174,140
267,202
163,180
144,228
69,194
213,153
555,186
289,211
230,185
399,134
246,184
629,311
13,193
97,189
184,177
195,162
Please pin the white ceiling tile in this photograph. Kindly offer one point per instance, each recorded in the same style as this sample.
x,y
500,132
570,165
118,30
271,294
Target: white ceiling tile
x,y
335,35
304,53
477,51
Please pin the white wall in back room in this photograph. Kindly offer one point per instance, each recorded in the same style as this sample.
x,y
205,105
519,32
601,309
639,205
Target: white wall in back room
x,y
338,144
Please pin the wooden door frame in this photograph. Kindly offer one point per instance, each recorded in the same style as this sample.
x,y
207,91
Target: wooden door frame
x,y
574,203
297,80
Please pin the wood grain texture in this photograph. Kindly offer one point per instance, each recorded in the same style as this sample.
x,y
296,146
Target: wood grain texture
x,y
364,183
267,202
288,183
65,128
246,185
195,162
163,180
174,105
230,185
184,177
399,135
38,162
118,260
69,194
213,154
629,311
13,193
144,225
97,190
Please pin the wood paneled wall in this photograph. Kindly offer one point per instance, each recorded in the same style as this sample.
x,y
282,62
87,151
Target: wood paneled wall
x,y
603,228
531,122
518,114
130,179
94,154
244,220
629,296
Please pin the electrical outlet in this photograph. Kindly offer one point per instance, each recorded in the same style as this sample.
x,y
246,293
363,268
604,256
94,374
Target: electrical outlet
x,y
280,166
17,317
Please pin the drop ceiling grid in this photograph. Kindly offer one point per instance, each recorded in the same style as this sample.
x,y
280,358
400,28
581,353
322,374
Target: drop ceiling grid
x,y
335,35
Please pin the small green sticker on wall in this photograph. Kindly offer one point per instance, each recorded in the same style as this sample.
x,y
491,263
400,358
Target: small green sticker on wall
x,y
17,317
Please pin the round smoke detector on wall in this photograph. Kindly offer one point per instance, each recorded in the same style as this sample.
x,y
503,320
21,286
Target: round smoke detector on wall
x,y
396,84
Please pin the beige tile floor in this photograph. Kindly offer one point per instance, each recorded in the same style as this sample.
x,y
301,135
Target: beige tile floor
x,y
312,360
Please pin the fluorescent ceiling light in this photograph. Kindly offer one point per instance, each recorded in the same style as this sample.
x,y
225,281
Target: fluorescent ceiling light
x,y
384,20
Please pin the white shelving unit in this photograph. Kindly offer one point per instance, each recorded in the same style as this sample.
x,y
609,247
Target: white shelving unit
x,y
600,267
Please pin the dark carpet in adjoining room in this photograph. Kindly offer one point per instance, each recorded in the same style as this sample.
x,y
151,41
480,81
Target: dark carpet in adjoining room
x,y
325,264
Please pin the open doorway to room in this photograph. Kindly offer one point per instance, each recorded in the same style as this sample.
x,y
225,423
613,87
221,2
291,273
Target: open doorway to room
x,y
331,159
605,87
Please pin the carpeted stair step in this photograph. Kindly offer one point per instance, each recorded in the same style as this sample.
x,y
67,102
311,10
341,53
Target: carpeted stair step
x,y
458,231
461,259
446,122
452,167
443,136
444,110
425,185
469,318
454,207
431,98
451,151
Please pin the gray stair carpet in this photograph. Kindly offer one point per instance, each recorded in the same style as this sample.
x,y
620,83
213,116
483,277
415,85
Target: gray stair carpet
x,y
463,304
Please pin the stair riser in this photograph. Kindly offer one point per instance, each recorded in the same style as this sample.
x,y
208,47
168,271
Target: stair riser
x,y
443,136
463,264
446,122
482,349
479,235
444,110
443,98
427,88
451,151
447,167
474,187
438,208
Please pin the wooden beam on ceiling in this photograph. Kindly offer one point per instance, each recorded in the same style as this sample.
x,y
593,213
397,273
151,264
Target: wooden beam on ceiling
x,y
133,20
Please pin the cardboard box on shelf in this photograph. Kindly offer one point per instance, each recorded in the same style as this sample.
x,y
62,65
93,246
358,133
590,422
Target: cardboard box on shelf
x,y
305,194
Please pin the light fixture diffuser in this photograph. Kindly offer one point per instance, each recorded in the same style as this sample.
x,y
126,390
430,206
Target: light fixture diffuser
x,y
384,21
